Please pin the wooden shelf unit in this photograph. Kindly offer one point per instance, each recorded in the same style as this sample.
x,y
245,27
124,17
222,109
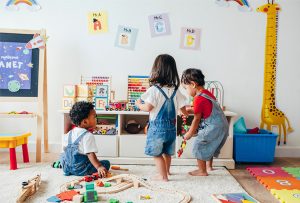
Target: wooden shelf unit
x,y
125,148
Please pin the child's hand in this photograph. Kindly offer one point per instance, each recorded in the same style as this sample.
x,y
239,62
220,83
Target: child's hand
x,y
138,102
187,136
102,171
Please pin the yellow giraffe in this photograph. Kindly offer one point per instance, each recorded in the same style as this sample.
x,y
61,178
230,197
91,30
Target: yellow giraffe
x,y
270,114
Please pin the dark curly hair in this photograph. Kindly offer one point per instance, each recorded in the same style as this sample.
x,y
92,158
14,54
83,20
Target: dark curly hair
x,y
80,110
193,75
164,72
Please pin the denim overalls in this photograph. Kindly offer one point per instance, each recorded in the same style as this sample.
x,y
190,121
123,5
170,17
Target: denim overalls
x,y
161,133
74,163
212,133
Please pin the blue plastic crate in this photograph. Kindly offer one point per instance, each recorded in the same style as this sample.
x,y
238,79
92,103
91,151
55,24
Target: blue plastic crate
x,y
254,147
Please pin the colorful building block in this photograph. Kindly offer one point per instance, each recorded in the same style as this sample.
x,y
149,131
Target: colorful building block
x,y
107,184
268,171
279,183
287,196
113,200
101,103
84,91
70,91
87,99
68,102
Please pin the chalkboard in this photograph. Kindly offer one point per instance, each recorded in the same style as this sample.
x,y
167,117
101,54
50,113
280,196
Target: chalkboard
x,y
19,66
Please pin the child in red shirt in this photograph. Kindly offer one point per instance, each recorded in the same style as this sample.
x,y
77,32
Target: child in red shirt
x,y
209,120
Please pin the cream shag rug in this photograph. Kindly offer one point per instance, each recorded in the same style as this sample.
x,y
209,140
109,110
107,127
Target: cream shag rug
x,y
200,188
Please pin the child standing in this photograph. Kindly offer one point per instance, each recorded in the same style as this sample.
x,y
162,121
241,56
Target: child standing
x,y
209,120
79,156
162,100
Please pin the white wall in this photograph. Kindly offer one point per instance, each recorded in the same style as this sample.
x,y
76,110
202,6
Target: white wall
x,y
232,50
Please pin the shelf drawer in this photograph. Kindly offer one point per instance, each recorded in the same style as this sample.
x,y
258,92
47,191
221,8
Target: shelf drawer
x,y
132,145
107,145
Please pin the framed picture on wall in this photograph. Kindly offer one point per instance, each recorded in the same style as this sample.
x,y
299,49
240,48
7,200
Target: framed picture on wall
x,y
19,66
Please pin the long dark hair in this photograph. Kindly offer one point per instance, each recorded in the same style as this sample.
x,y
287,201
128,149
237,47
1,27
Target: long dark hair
x,y
164,72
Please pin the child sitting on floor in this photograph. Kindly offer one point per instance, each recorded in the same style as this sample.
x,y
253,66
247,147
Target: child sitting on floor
x,y
79,145
209,120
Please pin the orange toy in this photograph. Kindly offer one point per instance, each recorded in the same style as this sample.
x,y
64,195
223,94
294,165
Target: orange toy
x,y
119,168
68,195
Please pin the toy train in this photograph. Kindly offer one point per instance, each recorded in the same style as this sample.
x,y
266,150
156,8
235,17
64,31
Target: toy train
x,y
120,106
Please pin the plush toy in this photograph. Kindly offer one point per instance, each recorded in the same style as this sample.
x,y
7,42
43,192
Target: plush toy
x,y
133,127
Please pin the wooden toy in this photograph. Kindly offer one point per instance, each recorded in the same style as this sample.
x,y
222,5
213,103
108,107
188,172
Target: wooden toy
x,y
270,114
99,183
67,103
113,200
119,168
182,147
90,195
137,85
77,199
84,90
125,181
70,91
234,198
216,88
87,99
116,106
145,197
29,188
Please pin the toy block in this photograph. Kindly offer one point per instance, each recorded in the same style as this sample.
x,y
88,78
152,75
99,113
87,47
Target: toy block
x,y
136,184
70,91
119,168
279,183
87,99
107,184
102,91
84,91
113,200
99,183
268,171
101,103
67,103
290,196
77,198
89,186
67,195
145,197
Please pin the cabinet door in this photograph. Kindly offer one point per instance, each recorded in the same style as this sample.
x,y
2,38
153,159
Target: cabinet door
x,y
107,145
132,146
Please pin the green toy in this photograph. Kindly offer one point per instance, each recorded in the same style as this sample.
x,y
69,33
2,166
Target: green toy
x,y
107,184
90,195
113,200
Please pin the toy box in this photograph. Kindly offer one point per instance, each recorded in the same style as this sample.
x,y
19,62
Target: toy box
x,y
254,147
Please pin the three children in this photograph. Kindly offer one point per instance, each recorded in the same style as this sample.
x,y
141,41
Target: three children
x,y
163,100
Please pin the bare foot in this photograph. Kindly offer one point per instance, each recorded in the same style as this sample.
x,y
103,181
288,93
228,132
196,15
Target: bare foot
x,y
159,178
169,174
198,173
209,168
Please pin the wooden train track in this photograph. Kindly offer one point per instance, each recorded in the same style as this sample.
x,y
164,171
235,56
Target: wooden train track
x,y
29,189
125,181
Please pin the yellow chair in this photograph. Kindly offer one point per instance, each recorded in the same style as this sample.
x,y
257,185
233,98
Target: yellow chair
x,y
11,141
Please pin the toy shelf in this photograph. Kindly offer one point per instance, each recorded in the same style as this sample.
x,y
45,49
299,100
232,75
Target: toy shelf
x,y
126,148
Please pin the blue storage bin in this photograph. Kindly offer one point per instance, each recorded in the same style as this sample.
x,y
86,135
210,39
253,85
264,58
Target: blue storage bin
x,y
254,147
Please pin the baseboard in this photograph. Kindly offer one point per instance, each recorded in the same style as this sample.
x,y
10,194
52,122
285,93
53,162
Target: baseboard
x,y
287,151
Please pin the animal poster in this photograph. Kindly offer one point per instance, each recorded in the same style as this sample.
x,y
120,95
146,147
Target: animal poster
x,y
190,38
126,37
159,25
97,22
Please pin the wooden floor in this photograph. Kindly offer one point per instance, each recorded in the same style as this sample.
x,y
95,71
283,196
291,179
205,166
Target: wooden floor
x,y
248,182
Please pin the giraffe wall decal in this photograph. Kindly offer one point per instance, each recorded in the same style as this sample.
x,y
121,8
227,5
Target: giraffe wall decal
x,y
270,114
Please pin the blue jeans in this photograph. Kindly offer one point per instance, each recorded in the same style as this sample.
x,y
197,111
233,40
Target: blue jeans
x,y
160,140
